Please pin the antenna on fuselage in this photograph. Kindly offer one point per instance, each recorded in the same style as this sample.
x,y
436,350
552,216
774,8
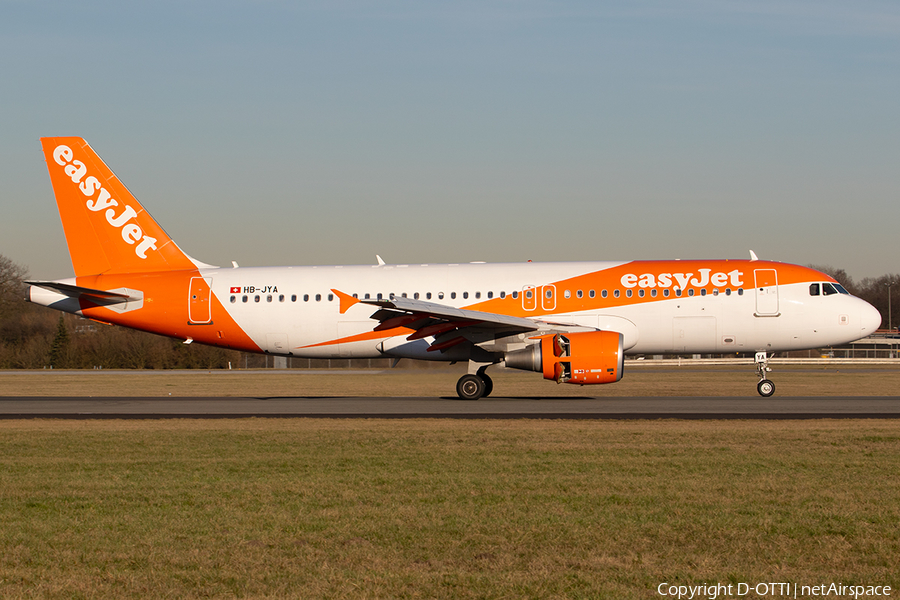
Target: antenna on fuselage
x,y
753,256
380,260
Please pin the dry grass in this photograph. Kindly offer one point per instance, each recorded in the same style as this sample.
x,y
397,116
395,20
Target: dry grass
x,y
638,381
441,509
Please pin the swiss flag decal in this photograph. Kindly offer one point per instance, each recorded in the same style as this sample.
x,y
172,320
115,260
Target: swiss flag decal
x,y
235,290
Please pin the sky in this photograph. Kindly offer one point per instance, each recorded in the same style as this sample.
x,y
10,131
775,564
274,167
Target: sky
x,y
303,133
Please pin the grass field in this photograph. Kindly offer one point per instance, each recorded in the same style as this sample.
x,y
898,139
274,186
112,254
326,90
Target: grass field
x,y
638,381
300,508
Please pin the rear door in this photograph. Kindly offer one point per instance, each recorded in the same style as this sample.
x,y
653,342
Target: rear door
x,y
198,300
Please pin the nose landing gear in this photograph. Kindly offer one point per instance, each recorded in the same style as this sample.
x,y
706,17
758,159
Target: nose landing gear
x,y
765,387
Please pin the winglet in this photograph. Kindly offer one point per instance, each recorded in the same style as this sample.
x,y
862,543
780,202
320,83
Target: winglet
x,y
346,300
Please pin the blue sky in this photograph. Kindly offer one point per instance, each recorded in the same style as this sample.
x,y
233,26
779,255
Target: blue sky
x,y
326,132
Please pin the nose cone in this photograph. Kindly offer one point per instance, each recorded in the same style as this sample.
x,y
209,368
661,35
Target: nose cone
x,y
869,319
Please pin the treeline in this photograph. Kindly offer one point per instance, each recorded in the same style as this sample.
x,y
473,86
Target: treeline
x,y
36,337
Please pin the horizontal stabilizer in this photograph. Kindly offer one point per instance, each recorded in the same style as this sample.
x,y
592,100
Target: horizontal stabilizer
x,y
74,291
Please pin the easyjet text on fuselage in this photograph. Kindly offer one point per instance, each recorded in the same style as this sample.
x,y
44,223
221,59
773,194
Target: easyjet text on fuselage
x,y
702,278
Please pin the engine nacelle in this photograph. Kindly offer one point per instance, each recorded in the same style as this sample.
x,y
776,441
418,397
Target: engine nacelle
x,y
586,357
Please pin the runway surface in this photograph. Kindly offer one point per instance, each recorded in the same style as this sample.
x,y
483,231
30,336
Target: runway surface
x,y
754,407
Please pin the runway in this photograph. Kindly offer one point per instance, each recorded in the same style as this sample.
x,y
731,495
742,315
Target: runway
x,y
751,407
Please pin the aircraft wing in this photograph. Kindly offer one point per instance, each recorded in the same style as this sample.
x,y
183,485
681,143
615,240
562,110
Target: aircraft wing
x,y
449,314
448,325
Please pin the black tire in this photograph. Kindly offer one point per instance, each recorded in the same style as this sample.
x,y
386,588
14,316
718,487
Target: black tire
x,y
470,387
488,385
765,388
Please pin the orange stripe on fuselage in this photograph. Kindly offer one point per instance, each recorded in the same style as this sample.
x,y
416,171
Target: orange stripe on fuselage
x,y
363,337
647,276
640,275
165,309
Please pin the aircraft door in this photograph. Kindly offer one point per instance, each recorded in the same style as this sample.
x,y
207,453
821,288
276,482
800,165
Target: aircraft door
x,y
548,297
529,297
199,310
766,292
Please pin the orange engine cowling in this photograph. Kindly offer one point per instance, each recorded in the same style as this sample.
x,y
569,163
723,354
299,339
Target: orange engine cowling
x,y
586,357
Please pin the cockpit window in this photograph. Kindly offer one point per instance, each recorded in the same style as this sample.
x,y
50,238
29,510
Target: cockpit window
x,y
841,289
828,289
814,289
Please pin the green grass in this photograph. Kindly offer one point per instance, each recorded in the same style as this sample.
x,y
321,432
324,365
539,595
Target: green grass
x,y
262,508
740,380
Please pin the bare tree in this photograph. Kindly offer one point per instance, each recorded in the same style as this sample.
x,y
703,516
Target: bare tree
x,y
12,286
840,274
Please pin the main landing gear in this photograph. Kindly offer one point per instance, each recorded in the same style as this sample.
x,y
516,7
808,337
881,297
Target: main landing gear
x,y
473,386
765,387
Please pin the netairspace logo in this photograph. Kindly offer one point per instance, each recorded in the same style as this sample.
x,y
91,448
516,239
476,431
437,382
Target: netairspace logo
x,y
774,590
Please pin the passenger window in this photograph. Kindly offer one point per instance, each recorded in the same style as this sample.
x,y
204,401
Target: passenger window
x,y
641,293
528,294
567,294
293,297
233,299
281,297
330,297
306,297
490,295
256,298
415,295
702,292
579,293
740,291
727,291
691,292
269,298
515,294
318,297
466,295
428,295
666,293
502,295
477,295
615,293
814,289
244,298
653,293
453,295
440,295
628,293
379,296
549,293
678,293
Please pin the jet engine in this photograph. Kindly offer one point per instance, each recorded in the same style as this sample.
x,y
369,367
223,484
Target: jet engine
x,y
586,357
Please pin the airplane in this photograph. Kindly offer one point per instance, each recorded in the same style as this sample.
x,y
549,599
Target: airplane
x,y
572,322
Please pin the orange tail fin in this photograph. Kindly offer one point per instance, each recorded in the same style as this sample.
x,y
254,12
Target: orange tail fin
x,y
107,229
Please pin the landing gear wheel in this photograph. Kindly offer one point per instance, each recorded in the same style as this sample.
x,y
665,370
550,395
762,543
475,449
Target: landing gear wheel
x,y
488,385
765,388
470,387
